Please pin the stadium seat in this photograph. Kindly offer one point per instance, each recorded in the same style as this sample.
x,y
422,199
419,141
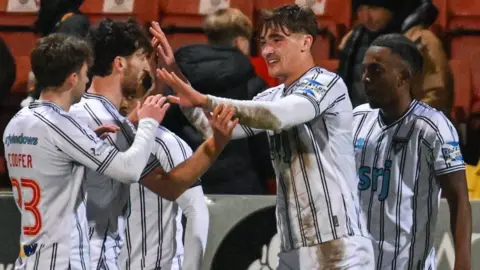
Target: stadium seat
x,y
441,21
144,11
464,14
182,20
464,44
333,16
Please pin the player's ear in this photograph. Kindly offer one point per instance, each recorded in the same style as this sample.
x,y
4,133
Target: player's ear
x,y
307,43
72,79
119,63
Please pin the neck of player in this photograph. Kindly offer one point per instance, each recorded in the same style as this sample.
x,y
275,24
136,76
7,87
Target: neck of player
x,y
109,87
301,68
58,96
394,111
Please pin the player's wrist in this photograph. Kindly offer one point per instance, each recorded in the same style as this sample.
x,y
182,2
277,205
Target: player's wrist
x,y
146,121
213,147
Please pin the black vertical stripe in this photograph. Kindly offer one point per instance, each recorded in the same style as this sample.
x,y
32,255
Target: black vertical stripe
x,y
53,259
324,184
297,204
399,195
80,244
415,201
287,212
348,223
37,257
143,223
430,196
382,204
308,188
129,245
102,250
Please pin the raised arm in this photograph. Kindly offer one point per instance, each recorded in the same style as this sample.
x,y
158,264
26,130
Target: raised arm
x,y
172,184
83,146
308,99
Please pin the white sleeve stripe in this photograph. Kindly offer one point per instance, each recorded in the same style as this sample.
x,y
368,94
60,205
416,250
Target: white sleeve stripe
x,y
66,116
107,161
450,170
67,138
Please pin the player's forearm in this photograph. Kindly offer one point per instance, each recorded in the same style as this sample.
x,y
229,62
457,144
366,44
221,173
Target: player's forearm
x,y
278,115
193,205
127,166
197,118
461,225
174,183
191,169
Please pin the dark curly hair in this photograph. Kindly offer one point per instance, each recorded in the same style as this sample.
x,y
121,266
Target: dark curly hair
x,y
56,56
116,38
293,18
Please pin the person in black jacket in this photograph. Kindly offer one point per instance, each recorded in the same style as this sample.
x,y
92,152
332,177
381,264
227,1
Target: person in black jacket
x,y
222,68
57,16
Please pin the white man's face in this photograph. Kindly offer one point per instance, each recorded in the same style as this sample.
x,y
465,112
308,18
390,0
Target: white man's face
x,y
137,64
281,49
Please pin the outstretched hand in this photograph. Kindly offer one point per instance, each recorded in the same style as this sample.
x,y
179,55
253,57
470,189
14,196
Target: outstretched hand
x,y
185,94
164,52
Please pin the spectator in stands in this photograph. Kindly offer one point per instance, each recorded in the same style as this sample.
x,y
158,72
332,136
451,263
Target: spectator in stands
x,y
7,70
412,18
222,68
57,16
61,16
7,78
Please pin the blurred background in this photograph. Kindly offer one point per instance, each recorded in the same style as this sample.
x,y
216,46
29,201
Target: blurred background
x,y
447,32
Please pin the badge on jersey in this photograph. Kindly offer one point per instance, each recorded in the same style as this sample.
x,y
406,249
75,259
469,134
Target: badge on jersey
x,y
312,88
359,144
451,152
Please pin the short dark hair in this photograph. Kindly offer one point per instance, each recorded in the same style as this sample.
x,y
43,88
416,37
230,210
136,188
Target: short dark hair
x,y
403,47
111,39
56,56
294,18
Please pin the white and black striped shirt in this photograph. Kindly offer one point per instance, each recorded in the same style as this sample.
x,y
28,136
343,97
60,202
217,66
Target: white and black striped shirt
x,y
310,145
46,150
154,230
398,165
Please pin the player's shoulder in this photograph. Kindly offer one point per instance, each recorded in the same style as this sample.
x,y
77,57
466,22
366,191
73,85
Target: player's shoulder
x,y
364,109
432,118
269,93
320,77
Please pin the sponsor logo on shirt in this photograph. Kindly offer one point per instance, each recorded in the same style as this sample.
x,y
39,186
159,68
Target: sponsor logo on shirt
x,y
451,152
312,88
20,139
